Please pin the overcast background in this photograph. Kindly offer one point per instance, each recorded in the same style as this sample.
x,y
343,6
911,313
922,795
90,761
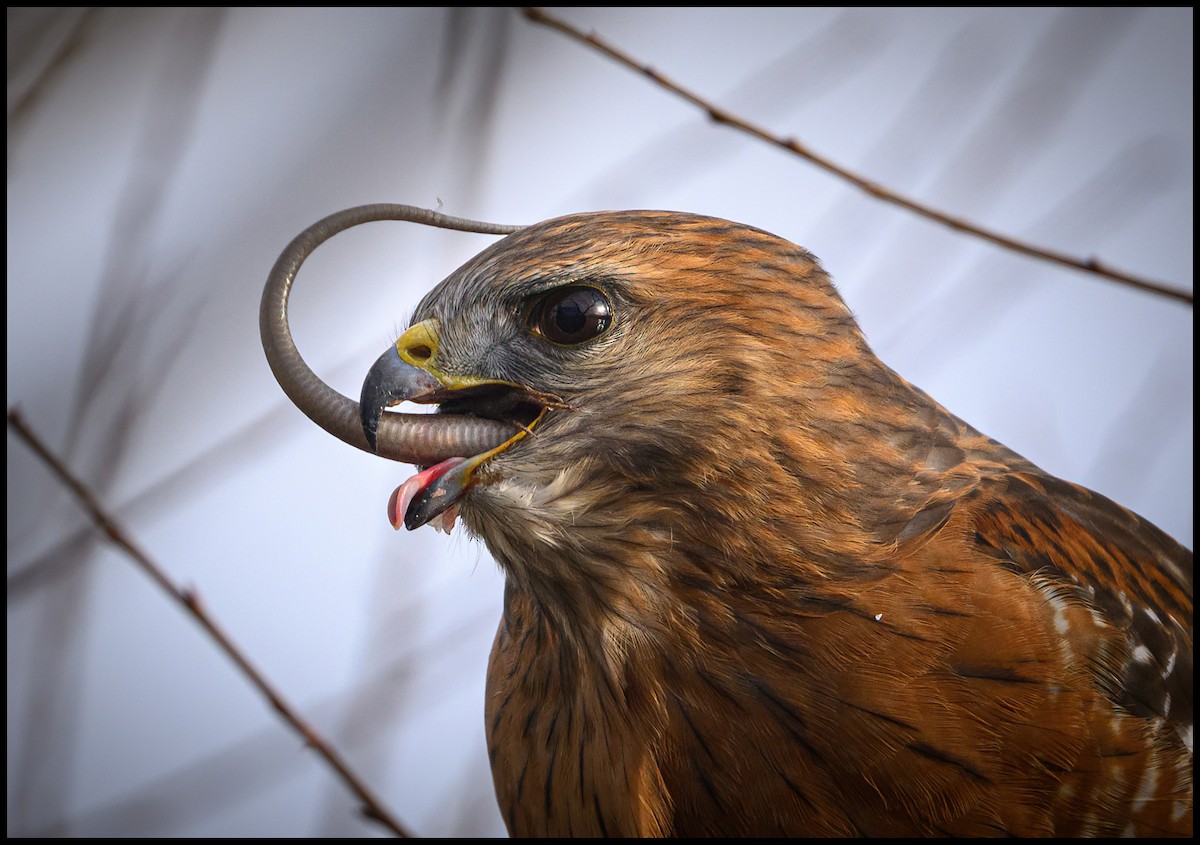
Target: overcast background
x,y
159,160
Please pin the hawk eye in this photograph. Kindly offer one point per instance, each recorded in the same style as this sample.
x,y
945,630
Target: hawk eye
x,y
571,314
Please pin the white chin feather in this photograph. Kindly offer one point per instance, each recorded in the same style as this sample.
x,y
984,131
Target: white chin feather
x,y
444,521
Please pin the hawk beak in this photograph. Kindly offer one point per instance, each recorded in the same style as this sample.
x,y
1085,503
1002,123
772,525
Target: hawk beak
x,y
389,382
407,371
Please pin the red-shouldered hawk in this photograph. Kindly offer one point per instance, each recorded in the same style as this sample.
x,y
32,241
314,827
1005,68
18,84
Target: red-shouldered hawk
x,y
756,582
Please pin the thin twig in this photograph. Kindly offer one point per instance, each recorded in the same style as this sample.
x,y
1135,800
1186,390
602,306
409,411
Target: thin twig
x,y
719,115
371,807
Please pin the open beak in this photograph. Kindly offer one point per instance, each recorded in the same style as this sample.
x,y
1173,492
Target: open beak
x,y
389,382
408,371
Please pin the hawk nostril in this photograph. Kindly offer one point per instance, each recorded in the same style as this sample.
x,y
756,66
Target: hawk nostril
x,y
420,352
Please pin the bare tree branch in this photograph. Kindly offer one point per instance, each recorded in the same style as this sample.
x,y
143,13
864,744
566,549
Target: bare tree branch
x,y
719,115
190,599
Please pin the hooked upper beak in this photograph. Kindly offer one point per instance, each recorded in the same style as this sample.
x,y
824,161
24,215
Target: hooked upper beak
x,y
408,371
390,382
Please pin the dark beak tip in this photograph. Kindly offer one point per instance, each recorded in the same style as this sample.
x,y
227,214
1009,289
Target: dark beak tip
x,y
419,511
390,381
370,424
442,487
378,391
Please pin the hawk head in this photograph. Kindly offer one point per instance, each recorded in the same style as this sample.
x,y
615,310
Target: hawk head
x,y
657,369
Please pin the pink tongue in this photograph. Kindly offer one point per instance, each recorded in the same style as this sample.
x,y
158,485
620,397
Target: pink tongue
x,y
404,494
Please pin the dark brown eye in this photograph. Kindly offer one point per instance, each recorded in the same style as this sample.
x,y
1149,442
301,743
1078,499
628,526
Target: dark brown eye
x,y
571,315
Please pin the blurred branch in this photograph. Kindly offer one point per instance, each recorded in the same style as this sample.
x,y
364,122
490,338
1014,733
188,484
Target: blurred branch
x,y
719,115
41,43
190,600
